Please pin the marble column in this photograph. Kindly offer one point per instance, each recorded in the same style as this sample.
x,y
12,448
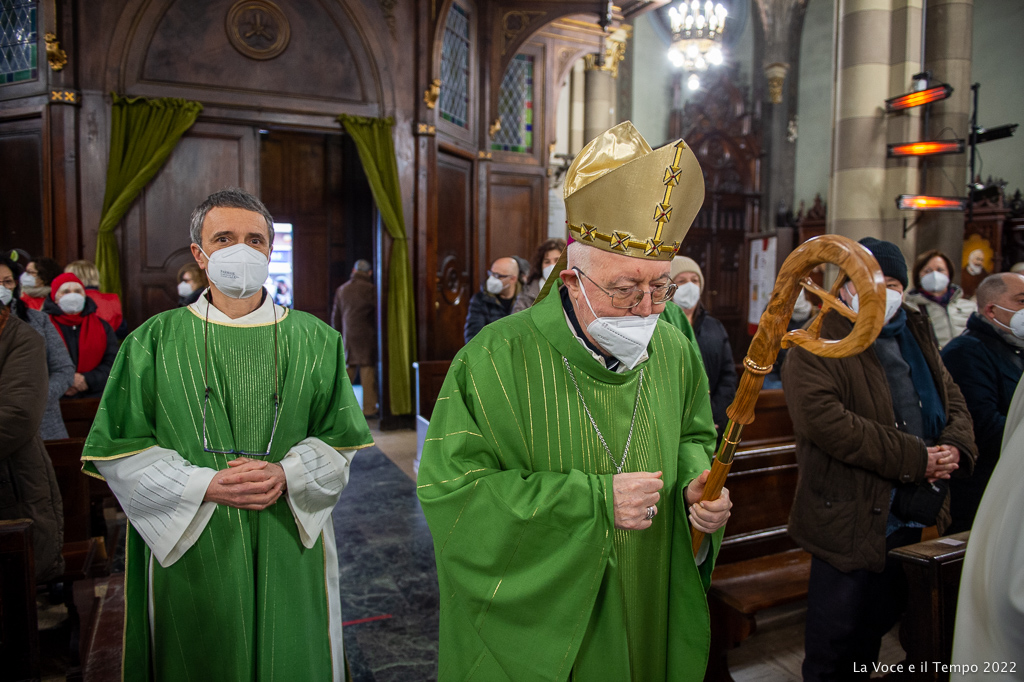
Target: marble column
x,y
948,38
877,51
599,113
577,107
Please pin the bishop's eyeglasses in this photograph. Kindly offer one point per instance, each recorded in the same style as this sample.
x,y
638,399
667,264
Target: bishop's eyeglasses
x,y
630,297
206,395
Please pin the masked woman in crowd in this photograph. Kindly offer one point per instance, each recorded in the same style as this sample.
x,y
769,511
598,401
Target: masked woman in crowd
x,y
58,363
544,261
686,312
89,339
942,302
35,281
192,283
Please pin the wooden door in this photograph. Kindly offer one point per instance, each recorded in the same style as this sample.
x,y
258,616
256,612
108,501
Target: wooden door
x,y
155,237
449,266
299,187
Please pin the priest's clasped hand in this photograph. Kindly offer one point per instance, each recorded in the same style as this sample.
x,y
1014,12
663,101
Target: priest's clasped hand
x,y
247,484
711,515
633,493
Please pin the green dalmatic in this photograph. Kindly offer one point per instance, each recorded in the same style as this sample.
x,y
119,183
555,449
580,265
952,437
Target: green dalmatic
x,y
536,583
247,601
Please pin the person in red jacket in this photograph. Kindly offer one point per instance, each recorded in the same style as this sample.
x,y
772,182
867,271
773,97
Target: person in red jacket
x,y
108,306
90,340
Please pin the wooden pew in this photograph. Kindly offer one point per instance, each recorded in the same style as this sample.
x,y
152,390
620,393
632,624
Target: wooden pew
x,y
759,566
772,423
933,569
78,415
19,630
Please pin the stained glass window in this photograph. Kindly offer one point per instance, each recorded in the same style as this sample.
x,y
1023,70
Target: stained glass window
x,y
515,107
18,58
454,100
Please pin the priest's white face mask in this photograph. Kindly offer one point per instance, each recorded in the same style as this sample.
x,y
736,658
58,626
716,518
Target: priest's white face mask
x,y
238,271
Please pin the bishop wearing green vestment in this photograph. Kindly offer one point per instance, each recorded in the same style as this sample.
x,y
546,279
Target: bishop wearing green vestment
x,y
226,431
568,450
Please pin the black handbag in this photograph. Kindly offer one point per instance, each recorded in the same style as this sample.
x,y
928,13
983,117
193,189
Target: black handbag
x,y
920,502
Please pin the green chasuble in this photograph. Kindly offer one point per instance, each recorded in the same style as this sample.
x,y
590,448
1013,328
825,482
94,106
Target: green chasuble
x,y
535,581
247,601
675,316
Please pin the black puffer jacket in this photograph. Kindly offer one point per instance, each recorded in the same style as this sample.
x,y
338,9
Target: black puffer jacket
x,y
28,485
717,355
484,308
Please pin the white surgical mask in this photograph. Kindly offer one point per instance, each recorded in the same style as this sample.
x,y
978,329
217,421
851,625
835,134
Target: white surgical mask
x,y
935,282
71,303
893,301
494,285
28,280
686,295
1016,322
5,295
546,271
184,289
802,308
624,337
237,271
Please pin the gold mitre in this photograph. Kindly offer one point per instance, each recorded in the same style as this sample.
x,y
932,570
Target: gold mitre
x,y
622,196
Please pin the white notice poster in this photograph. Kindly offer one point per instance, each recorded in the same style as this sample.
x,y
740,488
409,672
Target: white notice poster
x,y
762,279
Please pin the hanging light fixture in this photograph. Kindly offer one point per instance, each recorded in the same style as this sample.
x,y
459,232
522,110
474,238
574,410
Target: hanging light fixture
x,y
697,29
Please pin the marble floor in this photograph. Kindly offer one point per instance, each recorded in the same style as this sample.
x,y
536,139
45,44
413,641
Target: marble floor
x,y
389,599
389,582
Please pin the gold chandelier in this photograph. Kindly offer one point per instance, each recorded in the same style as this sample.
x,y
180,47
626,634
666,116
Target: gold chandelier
x,y
697,30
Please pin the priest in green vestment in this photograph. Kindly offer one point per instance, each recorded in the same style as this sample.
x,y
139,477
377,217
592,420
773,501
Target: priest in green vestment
x,y
568,450
226,431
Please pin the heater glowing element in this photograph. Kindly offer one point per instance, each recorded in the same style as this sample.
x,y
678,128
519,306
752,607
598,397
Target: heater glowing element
x,y
920,202
916,99
931,148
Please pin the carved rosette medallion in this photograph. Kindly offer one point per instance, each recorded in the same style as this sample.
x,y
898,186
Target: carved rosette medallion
x,y
258,29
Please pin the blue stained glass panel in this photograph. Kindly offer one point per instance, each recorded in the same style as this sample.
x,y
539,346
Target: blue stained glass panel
x,y
455,50
19,59
515,107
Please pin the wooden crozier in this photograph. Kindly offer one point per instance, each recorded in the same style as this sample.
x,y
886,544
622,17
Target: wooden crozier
x,y
857,264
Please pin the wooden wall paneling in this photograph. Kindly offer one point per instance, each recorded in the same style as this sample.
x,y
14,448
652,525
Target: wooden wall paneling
x,y
63,182
22,219
449,276
154,238
517,213
181,48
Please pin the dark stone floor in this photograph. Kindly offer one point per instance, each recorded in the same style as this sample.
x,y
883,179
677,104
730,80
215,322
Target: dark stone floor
x,y
387,569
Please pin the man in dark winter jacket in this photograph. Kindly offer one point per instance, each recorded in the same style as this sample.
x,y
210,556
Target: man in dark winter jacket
x,y
28,485
877,435
986,363
495,298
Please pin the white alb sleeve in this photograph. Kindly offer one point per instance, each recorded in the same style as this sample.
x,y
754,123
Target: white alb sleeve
x,y
316,475
162,494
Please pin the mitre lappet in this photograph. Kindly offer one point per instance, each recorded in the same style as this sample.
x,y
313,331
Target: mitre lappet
x,y
621,196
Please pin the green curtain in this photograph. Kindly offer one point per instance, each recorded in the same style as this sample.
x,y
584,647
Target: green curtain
x,y
377,153
143,133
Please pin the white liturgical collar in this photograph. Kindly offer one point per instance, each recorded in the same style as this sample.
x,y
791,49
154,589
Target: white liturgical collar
x,y
262,315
